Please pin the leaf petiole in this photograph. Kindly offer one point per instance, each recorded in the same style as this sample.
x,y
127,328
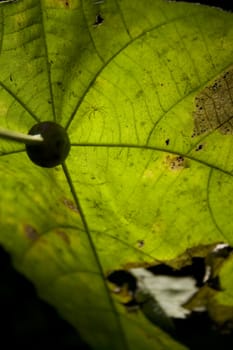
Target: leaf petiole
x,y
20,137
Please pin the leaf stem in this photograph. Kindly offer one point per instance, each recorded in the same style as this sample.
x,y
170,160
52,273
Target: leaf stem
x,y
20,137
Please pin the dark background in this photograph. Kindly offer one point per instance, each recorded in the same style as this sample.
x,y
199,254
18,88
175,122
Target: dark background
x,y
224,4
29,322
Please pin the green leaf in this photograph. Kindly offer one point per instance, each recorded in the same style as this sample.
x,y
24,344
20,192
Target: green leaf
x,y
140,185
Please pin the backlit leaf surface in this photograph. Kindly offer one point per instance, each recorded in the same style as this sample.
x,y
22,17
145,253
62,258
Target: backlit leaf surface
x,y
140,184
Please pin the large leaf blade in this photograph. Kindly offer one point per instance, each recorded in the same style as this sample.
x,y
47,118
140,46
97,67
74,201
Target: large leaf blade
x,y
126,97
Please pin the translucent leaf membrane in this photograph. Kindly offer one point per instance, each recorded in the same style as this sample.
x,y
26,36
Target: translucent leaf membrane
x,y
125,92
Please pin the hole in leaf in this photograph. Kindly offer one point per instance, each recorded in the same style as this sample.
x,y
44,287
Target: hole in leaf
x,y
98,20
121,278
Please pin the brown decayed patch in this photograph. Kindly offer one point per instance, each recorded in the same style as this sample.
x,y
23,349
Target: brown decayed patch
x,y
133,265
176,162
31,232
70,204
63,236
214,106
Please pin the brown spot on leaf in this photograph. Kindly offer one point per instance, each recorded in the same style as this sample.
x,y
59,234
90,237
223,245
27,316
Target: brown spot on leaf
x,y
214,106
176,162
70,204
133,265
140,243
64,3
63,236
31,232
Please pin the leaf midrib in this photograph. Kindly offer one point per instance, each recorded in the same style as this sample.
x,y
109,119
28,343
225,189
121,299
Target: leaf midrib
x,y
99,265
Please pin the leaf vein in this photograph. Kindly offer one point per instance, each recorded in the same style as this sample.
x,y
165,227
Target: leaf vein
x,y
48,65
153,148
70,119
98,262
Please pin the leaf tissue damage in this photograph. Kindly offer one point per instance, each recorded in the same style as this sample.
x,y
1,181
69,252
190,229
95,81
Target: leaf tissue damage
x,y
31,232
214,106
167,294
